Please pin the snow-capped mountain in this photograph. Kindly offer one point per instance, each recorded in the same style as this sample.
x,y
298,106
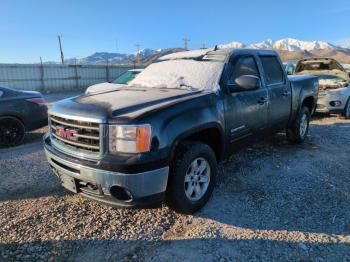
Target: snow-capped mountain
x,y
102,58
287,44
234,44
287,47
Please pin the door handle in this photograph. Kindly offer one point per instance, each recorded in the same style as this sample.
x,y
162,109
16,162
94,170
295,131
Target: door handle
x,y
286,93
262,100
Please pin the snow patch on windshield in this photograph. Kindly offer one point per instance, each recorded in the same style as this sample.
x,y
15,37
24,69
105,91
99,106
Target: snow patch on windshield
x,y
185,74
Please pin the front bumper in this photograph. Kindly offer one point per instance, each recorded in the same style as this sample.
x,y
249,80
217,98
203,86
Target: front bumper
x,y
331,103
141,188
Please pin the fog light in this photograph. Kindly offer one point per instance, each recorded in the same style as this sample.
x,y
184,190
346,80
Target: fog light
x,y
335,103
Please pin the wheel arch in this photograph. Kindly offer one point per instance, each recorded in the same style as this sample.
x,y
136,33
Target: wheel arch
x,y
210,134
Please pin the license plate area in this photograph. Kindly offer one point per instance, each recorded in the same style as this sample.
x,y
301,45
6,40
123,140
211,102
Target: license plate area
x,y
68,182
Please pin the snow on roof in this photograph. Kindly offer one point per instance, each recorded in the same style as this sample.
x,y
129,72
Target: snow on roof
x,y
185,54
186,74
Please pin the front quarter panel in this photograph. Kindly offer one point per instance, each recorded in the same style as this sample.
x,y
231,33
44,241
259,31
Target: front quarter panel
x,y
171,125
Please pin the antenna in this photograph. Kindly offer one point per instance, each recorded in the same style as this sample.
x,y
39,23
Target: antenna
x,y
185,40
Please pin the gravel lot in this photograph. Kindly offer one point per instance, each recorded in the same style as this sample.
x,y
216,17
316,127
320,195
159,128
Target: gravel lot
x,y
273,201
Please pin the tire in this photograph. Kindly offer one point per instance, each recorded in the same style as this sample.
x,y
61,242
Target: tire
x,y
189,156
12,131
346,112
298,131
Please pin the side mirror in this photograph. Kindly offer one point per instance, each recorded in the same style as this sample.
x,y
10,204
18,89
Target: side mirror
x,y
244,83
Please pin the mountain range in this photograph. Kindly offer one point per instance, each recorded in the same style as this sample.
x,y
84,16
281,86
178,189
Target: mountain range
x,y
288,48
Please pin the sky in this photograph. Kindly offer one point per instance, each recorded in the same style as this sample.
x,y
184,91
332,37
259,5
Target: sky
x,y
29,28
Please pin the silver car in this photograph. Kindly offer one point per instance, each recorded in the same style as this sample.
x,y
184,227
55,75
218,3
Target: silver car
x,y
334,84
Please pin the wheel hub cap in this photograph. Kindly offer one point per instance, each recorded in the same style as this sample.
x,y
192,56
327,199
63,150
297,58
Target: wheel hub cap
x,y
303,125
197,179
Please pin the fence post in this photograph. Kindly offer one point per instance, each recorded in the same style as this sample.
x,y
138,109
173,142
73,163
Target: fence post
x,y
107,71
76,75
42,76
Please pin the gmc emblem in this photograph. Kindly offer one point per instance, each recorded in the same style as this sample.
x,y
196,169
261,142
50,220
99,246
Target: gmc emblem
x,y
66,133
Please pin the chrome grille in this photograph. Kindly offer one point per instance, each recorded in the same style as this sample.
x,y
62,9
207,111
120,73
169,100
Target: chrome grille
x,y
78,135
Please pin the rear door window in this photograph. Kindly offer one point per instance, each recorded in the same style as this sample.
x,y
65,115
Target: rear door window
x,y
272,70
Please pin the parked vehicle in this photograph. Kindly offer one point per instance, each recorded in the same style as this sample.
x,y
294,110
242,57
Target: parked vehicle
x,y
123,79
163,134
126,77
334,82
20,111
289,68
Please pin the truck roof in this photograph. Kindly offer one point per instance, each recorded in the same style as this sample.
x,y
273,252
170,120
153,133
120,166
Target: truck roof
x,y
214,54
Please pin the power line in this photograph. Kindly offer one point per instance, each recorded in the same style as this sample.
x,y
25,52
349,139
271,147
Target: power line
x,y
138,53
185,40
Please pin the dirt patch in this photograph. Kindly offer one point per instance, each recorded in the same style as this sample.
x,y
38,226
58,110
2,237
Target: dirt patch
x,y
273,201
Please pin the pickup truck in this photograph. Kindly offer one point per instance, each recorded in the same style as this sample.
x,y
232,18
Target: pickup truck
x,y
161,136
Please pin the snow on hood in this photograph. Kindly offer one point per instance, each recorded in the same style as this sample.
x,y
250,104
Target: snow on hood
x,y
103,87
185,74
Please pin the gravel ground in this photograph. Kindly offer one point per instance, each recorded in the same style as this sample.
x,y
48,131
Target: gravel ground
x,y
273,201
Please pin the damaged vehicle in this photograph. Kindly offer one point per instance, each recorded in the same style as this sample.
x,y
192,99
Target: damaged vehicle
x,y
161,136
334,84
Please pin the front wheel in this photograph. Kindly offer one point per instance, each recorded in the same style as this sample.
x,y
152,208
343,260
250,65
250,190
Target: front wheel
x,y
346,113
192,179
298,131
11,131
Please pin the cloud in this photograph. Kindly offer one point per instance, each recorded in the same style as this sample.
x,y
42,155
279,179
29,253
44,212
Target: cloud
x,y
345,42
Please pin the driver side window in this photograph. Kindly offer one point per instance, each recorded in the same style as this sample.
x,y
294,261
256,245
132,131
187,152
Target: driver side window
x,y
245,65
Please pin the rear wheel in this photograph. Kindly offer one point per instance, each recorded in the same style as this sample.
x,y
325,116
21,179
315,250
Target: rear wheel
x,y
346,112
11,131
300,128
192,179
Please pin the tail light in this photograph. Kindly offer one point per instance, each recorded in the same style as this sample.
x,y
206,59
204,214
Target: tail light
x,y
38,101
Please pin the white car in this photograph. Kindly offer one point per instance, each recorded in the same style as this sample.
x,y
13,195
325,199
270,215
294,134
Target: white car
x,y
334,84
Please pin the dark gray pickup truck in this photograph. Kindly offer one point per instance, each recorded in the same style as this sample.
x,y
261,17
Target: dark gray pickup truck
x,y
162,135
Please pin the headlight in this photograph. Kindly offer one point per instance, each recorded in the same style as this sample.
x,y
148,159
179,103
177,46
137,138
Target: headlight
x,y
129,138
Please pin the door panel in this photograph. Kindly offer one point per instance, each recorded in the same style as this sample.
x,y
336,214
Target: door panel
x,y
246,111
250,115
279,91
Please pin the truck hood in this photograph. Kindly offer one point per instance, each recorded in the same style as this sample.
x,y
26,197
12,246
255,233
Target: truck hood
x,y
121,104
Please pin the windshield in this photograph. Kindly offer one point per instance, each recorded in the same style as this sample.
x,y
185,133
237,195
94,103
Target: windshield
x,y
315,65
126,77
181,73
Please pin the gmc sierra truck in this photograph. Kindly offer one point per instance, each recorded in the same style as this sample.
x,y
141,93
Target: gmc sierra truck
x,y
161,136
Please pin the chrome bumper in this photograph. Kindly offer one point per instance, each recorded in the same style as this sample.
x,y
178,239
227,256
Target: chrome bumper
x,y
140,185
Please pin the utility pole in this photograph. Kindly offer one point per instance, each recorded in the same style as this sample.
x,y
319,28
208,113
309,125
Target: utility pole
x,y
138,54
203,47
186,40
60,44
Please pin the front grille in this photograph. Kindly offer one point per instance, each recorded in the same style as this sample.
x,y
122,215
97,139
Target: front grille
x,y
77,135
